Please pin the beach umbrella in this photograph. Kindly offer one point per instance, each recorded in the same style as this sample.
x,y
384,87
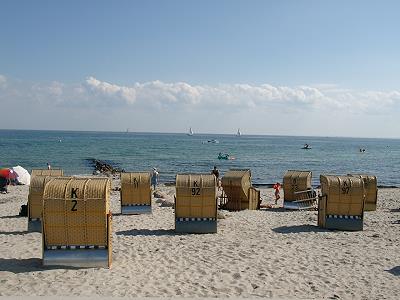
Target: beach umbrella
x,y
8,173
23,175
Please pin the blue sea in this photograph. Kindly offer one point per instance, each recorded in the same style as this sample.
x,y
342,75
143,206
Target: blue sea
x,y
268,157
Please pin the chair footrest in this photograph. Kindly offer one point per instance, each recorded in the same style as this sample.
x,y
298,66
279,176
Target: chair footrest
x,y
135,209
187,225
86,258
299,205
35,225
342,223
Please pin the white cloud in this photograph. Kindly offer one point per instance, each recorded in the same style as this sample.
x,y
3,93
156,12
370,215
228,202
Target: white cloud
x,y
172,107
162,96
111,90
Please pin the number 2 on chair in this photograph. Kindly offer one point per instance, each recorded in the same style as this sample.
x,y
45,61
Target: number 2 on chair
x,y
74,206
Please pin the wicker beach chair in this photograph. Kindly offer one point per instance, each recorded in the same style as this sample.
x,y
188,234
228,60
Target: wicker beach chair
x,y
77,222
298,192
135,193
196,203
341,204
240,194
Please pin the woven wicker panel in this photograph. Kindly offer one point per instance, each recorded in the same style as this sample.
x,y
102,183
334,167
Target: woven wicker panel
x,y
46,172
254,197
135,188
75,211
294,181
322,212
345,195
55,222
35,197
371,190
236,184
196,196
96,216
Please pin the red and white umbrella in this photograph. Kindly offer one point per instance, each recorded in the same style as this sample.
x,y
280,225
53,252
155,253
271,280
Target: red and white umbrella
x,y
8,173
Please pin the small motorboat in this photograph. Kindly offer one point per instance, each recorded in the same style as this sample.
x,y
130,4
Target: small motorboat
x,y
210,142
225,156
307,147
213,141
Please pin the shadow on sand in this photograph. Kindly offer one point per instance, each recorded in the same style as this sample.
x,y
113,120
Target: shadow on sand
x,y
20,265
148,232
275,209
14,232
11,217
24,265
299,229
394,271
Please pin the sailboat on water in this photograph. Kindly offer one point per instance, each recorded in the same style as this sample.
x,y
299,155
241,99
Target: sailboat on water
x,y
190,131
238,133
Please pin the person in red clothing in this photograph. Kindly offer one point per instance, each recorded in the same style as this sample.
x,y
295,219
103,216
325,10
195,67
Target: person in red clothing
x,y
277,187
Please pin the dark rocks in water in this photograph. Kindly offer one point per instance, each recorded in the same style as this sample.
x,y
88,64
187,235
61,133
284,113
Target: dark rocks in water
x,y
102,167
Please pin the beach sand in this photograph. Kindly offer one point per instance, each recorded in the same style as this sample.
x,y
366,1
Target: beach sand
x,y
267,253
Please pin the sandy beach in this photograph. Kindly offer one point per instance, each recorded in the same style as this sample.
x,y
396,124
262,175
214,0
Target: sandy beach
x,y
267,253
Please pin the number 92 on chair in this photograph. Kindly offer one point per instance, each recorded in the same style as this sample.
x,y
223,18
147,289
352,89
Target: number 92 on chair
x,y
196,203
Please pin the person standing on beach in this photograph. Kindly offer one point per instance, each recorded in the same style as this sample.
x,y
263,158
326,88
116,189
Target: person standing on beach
x,y
154,178
277,187
48,166
215,172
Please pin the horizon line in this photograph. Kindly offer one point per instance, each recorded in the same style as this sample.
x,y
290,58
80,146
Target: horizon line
x,y
200,133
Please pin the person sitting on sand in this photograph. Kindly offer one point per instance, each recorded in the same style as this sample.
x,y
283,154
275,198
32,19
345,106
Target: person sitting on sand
x,y
3,185
277,187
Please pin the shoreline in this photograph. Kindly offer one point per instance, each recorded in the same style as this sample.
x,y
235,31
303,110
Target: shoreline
x,y
270,185
202,134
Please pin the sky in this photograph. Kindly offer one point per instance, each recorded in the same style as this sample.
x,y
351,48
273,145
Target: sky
x,y
325,68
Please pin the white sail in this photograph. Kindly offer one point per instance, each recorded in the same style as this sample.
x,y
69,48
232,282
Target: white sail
x,y
238,132
190,131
